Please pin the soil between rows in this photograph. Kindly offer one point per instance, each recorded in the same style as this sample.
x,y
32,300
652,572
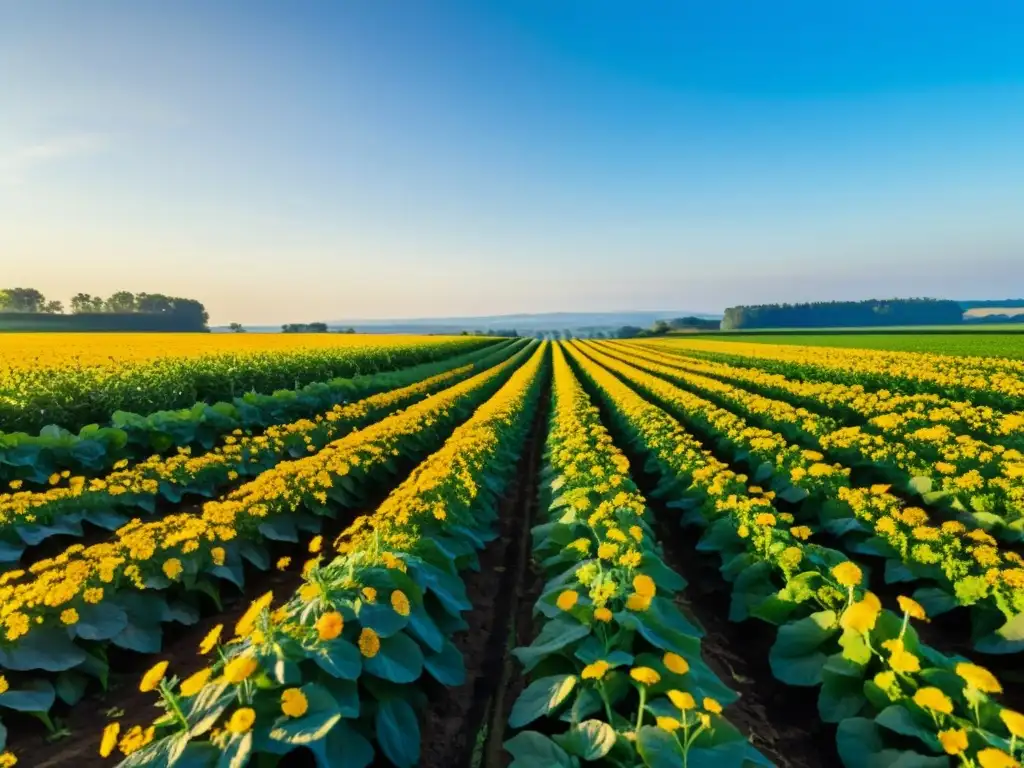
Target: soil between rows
x,y
462,726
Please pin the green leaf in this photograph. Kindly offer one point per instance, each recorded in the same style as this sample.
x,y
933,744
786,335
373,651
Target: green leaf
x,y
49,649
658,748
447,667
557,634
100,621
899,719
796,657
424,629
920,485
381,618
841,695
237,752
1009,638
344,747
36,696
533,750
590,740
320,717
860,745
70,686
398,732
338,658
540,698
399,660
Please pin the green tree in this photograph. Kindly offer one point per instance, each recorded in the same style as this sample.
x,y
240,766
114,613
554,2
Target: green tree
x,y
122,301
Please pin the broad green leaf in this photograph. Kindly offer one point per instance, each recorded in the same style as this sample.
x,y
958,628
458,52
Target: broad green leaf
x,y
540,698
398,732
533,750
399,660
590,740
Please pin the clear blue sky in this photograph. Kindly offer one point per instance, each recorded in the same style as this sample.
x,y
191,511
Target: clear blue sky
x,y
304,161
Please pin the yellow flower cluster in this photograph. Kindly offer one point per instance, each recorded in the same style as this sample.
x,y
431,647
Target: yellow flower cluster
x,y
89,574
135,487
998,377
313,616
974,566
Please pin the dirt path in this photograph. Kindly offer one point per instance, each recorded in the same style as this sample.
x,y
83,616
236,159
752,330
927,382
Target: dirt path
x,y
463,724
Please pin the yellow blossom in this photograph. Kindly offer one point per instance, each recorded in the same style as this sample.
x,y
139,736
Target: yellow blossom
x,y
242,720
152,678
294,703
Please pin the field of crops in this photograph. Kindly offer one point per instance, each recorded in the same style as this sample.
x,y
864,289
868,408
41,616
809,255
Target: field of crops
x,y
984,341
459,552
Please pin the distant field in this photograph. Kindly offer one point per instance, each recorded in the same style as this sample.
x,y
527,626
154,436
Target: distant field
x,y
985,343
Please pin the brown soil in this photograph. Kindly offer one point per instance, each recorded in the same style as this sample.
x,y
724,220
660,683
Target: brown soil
x,y
460,721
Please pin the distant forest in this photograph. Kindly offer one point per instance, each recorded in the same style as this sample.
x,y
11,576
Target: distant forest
x,y
845,314
29,309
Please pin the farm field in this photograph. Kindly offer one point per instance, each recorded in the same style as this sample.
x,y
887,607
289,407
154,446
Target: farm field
x,y
1001,341
447,552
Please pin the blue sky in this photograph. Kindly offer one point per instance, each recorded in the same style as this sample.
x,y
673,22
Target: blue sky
x,y
307,161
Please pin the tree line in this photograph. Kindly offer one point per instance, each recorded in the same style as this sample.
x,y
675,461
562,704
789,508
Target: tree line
x,y
848,314
180,313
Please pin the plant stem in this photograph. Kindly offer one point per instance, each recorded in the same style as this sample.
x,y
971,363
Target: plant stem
x,y
640,712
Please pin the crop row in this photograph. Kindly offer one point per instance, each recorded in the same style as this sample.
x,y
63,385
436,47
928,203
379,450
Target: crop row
x,y
119,435
338,667
998,382
894,699
967,565
27,518
982,481
857,404
63,616
617,669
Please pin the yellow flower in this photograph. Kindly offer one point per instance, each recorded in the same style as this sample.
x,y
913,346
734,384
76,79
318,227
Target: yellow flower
x,y
400,603
242,720
152,678
240,668
294,703
862,615
712,706
109,740
1014,722
603,615
675,663
247,623
172,568
934,699
954,740
4,685
912,608
283,563
682,700
595,671
217,554
136,739
369,643
801,532
369,594
329,625
904,661
69,616
316,544
639,603
210,641
765,518
848,574
978,678
669,724
644,585
195,683
645,675
566,600
991,757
